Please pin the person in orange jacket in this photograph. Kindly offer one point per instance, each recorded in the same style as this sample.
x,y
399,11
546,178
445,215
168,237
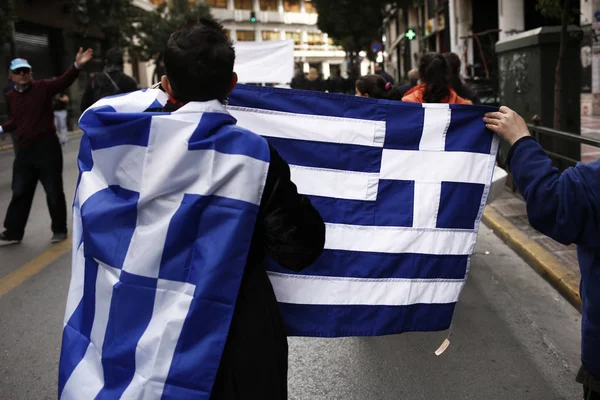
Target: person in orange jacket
x,y
434,87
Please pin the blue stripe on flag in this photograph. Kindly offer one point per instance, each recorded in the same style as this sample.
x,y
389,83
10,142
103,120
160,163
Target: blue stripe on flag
x,y
393,207
109,219
77,331
460,204
216,131
307,102
404,127
356,264
328,155
125,128
335,320
130,313
195,231
464,132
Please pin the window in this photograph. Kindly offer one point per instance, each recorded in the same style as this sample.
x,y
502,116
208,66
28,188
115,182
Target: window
x,y
291,5
270,35
217,3
245,36
269,5
310,7
242,4
315,38
295,36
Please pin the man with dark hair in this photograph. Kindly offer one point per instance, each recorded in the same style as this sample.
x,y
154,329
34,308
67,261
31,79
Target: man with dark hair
x,y
381,72
39,154
111,81
199,62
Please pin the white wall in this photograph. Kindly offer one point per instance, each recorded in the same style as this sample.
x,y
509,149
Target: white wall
x,y
461,21
511,16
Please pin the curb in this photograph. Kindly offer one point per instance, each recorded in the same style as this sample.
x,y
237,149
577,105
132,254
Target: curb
x,y
69,134
562,279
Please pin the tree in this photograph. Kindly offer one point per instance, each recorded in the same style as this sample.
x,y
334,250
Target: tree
x,y
153,29
558,9
114,18
353,25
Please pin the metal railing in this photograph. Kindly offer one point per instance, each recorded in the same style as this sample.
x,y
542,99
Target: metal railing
x,y
540,132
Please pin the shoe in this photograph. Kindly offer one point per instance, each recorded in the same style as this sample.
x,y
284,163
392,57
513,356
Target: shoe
x,y
5,239
59,237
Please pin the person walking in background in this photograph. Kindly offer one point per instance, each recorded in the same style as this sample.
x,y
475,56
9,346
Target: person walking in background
x,y
376,87
60,103
314,81
111,81
39,154
435,88
381,72
565,207
413,80
456,82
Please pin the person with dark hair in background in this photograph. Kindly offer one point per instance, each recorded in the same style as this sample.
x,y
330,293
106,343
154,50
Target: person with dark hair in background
x,y
381,72
111,81
456,82
335,83
413,80
39,154
299,80
199,60
376,87
435,87
566,207
314,81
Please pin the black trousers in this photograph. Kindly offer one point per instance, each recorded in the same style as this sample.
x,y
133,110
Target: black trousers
x,y
591,384
42,162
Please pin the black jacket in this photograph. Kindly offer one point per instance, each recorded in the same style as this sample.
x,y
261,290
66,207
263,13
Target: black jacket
x,y
101,86
291,231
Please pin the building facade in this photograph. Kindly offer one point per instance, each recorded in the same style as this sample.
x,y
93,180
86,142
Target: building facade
x,y
280,20
469,28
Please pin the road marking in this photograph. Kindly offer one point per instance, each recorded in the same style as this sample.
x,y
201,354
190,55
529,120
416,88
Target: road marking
x,y
33,267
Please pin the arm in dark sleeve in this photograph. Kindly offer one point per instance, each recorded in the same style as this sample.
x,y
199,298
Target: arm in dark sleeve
x,y
9,125
57,85
563,206
294,229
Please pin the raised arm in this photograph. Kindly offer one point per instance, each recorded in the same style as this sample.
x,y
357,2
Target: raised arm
x,y
61,83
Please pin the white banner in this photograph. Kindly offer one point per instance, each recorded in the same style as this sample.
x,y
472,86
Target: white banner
x,y
265,62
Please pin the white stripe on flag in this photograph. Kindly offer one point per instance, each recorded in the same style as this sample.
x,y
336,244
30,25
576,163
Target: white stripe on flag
x,y
384,239
434,166
310,127
122,164
134,102
335,183
435,127
426,204
87,379
301,289
77,280
171,306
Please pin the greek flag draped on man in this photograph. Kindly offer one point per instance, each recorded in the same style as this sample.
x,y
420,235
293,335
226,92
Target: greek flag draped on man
x,y
162,206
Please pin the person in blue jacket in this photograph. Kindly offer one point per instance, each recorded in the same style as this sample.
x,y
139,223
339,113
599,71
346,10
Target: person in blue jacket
x,y
565,207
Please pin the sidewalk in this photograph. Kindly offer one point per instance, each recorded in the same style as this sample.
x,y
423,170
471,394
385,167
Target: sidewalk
x,y
557,263
7,143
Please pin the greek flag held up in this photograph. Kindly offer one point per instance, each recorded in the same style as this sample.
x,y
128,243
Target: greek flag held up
x,y
400,186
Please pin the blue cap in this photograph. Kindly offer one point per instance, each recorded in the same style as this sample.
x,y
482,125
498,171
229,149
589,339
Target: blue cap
x,y
19,63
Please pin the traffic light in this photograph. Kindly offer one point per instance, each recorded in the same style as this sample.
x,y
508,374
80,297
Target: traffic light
x,y
410,34
253,16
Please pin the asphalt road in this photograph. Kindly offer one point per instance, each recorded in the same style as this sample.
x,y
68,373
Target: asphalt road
x,y
513,336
